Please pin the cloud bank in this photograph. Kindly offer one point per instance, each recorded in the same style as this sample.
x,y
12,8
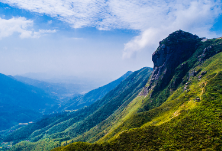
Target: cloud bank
x,y
22,26
154,19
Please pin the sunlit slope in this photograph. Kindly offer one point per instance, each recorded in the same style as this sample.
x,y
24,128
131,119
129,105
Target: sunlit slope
x,y
67,126
184,114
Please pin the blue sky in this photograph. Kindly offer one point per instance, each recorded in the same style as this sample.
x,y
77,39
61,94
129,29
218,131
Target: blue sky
x,y
101,39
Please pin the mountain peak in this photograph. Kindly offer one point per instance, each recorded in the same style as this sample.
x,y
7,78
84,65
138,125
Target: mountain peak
x,y
177,42
177,35
172,51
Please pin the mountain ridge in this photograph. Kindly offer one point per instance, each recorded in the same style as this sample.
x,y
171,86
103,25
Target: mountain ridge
x,y
93,95
178,114
57,90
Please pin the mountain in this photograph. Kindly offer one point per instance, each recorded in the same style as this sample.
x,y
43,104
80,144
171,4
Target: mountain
x,y
68,90
92,96
175,106
86,82
58,90
64,126
180,107
21,103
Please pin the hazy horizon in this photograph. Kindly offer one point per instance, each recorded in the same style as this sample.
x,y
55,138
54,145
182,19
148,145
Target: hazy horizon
x,y
71,79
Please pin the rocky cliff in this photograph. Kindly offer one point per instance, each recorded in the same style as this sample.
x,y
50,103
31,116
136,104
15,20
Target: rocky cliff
x,y
172,51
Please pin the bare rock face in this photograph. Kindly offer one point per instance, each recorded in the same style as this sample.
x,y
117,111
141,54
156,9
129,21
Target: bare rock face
x,y
172,51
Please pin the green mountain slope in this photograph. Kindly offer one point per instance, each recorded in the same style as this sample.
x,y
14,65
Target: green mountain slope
x,y
179,108
21,103
65,126
92,96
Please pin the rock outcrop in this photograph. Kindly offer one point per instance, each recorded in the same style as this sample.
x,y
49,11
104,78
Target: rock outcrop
x,y
210,51
172,52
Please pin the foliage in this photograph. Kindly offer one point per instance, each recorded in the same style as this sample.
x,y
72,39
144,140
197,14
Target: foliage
x,y
183,122
69,125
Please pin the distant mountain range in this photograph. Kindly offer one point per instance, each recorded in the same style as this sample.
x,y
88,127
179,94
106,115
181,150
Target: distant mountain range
x,y
92,96
89,82
64,126
24,100
59,90
21,103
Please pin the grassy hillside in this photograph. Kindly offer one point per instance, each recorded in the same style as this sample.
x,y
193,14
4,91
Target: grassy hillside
x,y
65,126
184,114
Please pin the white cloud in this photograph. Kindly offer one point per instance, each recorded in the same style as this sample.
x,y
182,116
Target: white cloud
x,y
50,22
154,18
149,36
76,12
8,27
20,25
42,32
193,16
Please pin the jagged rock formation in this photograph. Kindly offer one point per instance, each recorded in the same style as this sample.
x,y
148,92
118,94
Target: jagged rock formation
x,y
172,51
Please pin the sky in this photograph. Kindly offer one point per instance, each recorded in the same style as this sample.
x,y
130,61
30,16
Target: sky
x,y
96,39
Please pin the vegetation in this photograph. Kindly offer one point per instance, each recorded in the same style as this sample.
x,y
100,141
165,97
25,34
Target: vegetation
x,y
189,119
65,126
